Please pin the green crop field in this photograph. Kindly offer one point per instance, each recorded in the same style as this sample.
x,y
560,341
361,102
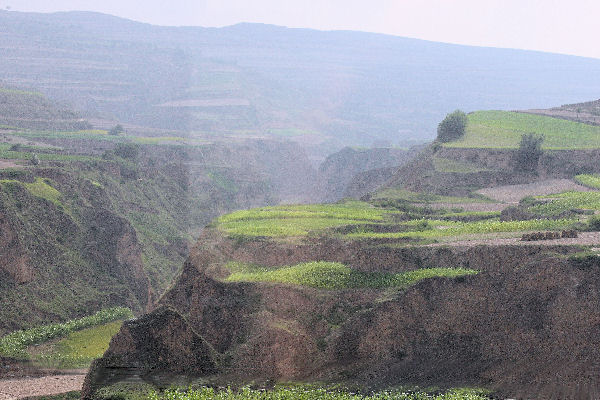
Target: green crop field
x,y
298,392
15,344
591,181
558,203
78,349
441,229
331,275
503,129
297,220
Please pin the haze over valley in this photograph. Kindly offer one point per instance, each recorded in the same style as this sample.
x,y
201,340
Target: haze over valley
x,y
293,213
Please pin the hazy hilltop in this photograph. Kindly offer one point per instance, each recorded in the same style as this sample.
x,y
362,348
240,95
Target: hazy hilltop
x,y
254,80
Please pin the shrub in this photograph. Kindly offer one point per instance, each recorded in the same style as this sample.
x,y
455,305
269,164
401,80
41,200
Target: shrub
x,y
452,127
116,130
34,160
529,152
594,224
127,150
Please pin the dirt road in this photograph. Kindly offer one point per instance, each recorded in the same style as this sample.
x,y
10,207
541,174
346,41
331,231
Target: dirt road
x,y
13,389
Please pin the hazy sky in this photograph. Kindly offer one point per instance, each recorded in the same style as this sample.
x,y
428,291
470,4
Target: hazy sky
x,y
560,26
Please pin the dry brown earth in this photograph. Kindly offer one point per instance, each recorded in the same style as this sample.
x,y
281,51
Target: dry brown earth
x,y
584,239
13,389
514,193
470,206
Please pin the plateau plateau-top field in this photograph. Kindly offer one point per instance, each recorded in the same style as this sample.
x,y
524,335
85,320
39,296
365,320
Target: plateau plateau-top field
x,y
503,130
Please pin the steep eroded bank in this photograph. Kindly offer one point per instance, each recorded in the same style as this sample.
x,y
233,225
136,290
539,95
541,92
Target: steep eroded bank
x,y
521,326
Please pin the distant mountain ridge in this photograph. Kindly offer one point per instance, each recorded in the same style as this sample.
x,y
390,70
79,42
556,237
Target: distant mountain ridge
x,y
340,87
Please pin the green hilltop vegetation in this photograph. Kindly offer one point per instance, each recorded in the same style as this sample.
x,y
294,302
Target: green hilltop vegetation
x,y
298,220
369,221
331,275
503,130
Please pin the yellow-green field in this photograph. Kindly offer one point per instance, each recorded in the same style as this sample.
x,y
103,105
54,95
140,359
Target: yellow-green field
x,y
80,348
332,275
298,220
503,130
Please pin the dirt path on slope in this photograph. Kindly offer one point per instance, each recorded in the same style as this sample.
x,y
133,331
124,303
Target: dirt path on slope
x,y
9,164
514,193
13,389
469,206
585,239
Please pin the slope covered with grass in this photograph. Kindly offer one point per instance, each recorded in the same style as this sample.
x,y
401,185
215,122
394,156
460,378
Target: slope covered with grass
x,y
298,220
332,275
503,130
589,180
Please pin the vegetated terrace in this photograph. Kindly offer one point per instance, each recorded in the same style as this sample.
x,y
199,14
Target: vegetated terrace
x,y
16,344
298,220
333,275
365,221
591,181
503,130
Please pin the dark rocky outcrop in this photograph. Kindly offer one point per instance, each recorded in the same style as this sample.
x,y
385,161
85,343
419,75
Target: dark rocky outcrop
x,y
165,344
525,326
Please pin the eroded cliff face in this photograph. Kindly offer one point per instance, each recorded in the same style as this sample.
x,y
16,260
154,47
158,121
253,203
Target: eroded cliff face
x,y
13,260
340,174
114,231
525,326
60,258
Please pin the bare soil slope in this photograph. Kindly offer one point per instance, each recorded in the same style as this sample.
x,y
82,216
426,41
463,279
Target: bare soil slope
x,y
498,329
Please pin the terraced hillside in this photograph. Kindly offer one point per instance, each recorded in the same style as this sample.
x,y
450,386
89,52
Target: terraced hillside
x,y
487,154
455,273
324,89
90,220
393,292
23,109
587,112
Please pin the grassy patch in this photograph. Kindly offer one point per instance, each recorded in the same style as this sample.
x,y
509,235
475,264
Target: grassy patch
x,y
79,348
559,203
42,189
503,129
42,153
298,220
15,344
330,275
440,228
591,181
39,188
84,132
223,181
298,392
